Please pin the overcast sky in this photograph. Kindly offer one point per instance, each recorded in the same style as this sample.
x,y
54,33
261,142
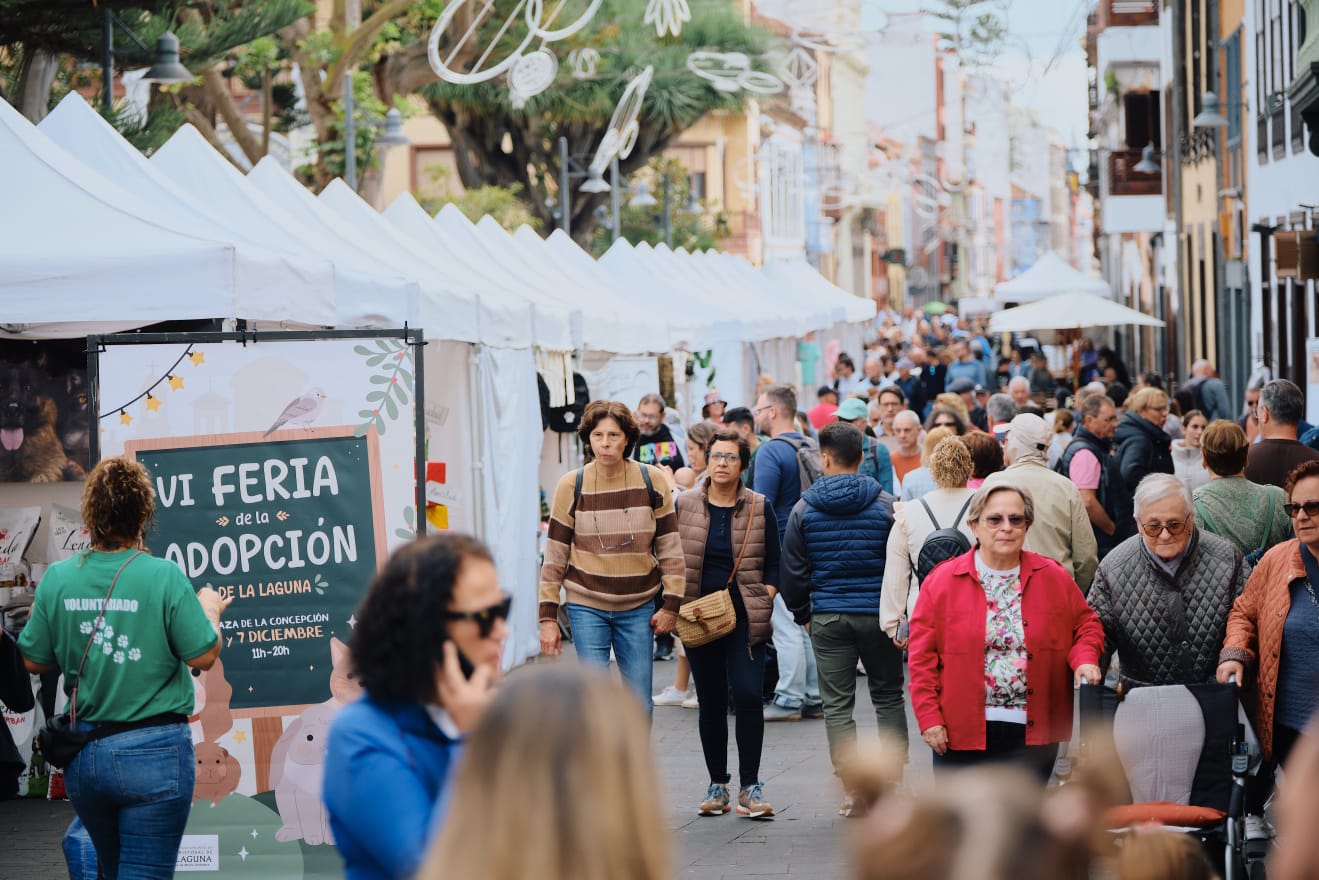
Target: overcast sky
x,y
1050,31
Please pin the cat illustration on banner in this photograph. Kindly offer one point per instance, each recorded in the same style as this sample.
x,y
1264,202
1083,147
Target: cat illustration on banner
x,y
297,763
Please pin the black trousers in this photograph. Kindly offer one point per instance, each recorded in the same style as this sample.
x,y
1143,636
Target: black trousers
x,y
730,663
1260,786
1005,743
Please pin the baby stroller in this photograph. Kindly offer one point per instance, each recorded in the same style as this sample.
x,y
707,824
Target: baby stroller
x,y
1186,752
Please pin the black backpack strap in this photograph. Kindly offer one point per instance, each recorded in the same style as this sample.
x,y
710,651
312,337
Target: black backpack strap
x,y
961,513
930,514
577,490
650,486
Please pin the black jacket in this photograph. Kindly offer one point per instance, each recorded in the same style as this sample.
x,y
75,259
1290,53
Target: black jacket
x,y
1142,449
1167,629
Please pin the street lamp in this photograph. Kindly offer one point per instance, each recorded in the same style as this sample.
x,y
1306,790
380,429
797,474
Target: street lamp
x,y
643,198
569,170
1209,115
392,136
1147,163
165,66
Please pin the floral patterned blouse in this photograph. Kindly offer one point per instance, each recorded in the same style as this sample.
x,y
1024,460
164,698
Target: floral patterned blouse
x,y
1005,638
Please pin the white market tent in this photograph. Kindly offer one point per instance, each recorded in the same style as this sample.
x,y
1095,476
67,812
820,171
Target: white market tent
x,y
79,252
1050,275
1068,311
392,306
269,284
502,318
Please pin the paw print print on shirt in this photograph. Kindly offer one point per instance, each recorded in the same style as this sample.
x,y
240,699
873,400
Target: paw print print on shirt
x,y
122,641
134,654
107,648
118,657
85,627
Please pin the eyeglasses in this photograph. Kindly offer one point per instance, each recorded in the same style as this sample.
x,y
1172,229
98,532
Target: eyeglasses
x,y
945,425
996,520
1174,527
723,456
1311,509
760,409
595,522
484,618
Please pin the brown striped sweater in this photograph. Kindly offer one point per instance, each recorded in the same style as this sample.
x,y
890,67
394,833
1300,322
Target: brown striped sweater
x,y
610,550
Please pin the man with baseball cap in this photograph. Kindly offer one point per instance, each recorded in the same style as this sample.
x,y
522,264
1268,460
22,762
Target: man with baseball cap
x,y
1061,529
876,462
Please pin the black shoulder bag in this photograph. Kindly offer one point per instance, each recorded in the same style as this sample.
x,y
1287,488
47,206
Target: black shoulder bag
x,y
60,741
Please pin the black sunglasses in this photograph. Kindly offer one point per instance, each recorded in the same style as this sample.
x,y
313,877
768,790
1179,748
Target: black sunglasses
x,y
484,618
1311,509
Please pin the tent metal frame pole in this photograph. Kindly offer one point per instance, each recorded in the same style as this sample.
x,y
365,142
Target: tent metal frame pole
x,y
478,449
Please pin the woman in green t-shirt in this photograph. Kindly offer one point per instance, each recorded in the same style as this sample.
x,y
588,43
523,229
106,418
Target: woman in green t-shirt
x,y
124,627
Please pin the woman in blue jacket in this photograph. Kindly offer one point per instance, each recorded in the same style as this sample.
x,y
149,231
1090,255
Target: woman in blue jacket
x,y
426,650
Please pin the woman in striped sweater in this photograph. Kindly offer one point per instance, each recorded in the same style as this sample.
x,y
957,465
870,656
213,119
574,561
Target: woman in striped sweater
x,y
613,545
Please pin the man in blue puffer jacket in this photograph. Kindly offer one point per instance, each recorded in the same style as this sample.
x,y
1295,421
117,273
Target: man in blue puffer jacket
x,y
832,569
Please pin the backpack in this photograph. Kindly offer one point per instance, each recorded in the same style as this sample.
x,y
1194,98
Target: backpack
x,y
809,466
563,419
1190,395
941,544
645,478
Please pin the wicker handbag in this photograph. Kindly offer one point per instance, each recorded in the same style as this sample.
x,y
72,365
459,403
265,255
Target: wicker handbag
x,y
712,616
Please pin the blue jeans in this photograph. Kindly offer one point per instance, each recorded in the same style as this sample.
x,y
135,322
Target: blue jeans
x,y
799,682
133,791
594,632
79,851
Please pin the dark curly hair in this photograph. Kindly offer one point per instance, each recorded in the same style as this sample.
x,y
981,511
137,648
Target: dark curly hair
x,y
729,435
400,622
118,501
598,410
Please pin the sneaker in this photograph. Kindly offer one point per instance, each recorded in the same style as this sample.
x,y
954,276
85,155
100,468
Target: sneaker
x,y
751,803
691,702
775,712
812,710
717,801
1258,828
670,696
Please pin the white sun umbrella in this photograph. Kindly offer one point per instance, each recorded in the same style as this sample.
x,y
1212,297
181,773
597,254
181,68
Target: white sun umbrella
x,y
506,319
1068,311
270,285
80,255
193,164
1050,275
395,303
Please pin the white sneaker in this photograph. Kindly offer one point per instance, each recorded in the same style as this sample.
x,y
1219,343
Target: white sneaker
x,y
691,702
670,696
1258,828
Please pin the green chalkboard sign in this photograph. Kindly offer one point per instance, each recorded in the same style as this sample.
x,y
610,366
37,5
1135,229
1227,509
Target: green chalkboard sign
x,y
291,525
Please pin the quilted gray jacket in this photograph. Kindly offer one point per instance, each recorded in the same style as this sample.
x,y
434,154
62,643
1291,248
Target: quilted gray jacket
x,y
1167,629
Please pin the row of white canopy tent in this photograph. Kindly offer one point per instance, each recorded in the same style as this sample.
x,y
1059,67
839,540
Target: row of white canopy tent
x,y
98,238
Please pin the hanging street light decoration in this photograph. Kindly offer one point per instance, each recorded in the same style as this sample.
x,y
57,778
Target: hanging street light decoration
x,y
800,70
668,16
584,62
621,136
731,72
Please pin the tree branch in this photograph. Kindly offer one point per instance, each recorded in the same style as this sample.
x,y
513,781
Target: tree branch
x,y
203,125
224,104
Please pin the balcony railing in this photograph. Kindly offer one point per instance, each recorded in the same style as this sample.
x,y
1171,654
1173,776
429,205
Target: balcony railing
x,y
1125,180
1131,13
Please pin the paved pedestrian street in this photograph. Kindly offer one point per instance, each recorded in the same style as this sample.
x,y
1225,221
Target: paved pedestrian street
x,y
807,839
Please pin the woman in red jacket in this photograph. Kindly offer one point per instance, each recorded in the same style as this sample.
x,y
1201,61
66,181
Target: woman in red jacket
x,y
998,636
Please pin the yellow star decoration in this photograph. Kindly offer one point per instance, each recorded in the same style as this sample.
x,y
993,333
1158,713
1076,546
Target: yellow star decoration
x,y
176,382
125,418
153,403
197,357
240,737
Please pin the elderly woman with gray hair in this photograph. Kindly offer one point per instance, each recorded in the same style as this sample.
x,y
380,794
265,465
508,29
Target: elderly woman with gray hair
x,y
1164,594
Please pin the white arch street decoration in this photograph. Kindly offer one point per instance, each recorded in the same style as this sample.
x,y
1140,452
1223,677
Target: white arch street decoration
x,y
621,136
668,16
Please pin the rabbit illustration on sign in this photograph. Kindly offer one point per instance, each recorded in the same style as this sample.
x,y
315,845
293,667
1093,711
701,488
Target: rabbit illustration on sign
x,y
297,763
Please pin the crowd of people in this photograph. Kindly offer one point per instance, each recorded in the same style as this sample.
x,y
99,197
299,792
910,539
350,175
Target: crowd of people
x,y
973,540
